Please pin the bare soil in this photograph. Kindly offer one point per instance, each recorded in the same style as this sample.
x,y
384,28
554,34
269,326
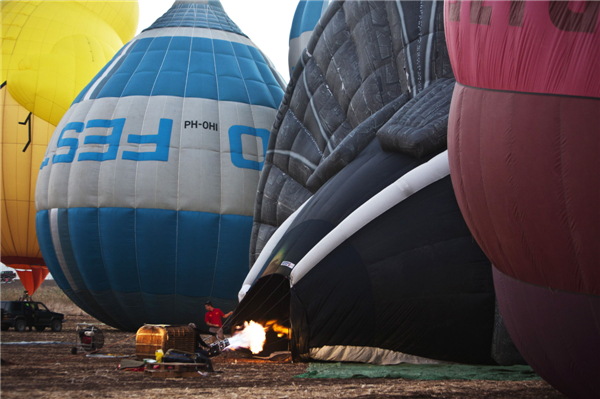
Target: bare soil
x,y
50,371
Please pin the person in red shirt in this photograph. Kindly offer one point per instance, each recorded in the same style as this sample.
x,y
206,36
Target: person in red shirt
x,y
213,319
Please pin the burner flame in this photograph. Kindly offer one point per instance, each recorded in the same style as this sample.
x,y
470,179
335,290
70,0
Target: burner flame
x,y
281,331
251,337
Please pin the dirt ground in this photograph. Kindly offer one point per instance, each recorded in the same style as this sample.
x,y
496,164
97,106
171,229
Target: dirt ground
x,y
50,371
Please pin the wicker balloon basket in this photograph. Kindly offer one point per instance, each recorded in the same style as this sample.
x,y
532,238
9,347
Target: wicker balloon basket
x,y
151,338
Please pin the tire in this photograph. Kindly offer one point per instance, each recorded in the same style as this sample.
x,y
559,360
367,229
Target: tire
x,y
56,325
20,325
40,328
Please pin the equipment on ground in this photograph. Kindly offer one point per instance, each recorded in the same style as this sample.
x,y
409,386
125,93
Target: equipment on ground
x,y
89,338
150,338
216,348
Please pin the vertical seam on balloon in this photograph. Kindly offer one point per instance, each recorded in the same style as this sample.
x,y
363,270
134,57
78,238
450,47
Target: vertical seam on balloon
x,y
102,164
212,39
485,197
369,73
564,189
350,105
459,155
179,150
429,45
419,39
3,180
115,63
264,81
135,203
31,168
323,134
250,105
314,112
406,44
527,246
512,114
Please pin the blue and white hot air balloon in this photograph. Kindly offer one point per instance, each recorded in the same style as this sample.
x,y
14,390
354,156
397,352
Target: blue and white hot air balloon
x,y
306,17
145,197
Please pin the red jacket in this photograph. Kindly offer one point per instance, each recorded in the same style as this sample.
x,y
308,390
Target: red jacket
x,y
214,317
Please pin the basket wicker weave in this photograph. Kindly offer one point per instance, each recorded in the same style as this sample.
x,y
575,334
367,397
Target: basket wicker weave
x,y
151,338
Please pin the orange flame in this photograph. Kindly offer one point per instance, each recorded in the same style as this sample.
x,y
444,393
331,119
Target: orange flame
x,y
281,331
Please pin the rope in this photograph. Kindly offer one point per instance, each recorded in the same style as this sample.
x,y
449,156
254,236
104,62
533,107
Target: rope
x,y
248,301
271,294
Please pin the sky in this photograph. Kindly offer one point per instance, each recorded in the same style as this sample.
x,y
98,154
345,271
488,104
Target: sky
x,y
266,22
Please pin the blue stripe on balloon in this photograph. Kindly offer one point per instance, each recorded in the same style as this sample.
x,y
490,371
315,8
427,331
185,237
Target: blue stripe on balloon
x,y
87,248
306,17
232,261
154,251
67,249
197,244
156,238
193,68
98,75
297,20
44,235
112,71
117,235
79,295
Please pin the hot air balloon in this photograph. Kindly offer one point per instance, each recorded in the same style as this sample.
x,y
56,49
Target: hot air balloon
x,y
359,244
145,197
524,145
305,19
50,51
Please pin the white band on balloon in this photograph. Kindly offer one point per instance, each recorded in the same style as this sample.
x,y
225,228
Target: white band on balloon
x,y
266,252
413,181
196,32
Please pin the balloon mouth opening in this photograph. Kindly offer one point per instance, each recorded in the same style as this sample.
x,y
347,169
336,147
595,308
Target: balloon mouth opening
x,y
268,304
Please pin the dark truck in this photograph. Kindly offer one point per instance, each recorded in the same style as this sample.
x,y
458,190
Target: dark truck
x,y
16,313
8,276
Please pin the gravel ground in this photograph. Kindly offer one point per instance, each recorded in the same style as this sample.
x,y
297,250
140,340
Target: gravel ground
x,y
50,371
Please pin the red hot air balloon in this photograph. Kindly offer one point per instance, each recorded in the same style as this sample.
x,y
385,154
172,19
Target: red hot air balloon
x,y
31,276
524,149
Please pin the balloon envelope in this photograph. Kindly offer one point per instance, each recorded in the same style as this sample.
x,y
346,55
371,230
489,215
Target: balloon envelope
x,y
145,196
359,242
524,145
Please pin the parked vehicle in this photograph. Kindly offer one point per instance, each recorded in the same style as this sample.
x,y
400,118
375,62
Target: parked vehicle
x,y
21,314
7,276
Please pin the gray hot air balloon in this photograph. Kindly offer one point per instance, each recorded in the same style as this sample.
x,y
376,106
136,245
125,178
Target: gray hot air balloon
x,y
359,245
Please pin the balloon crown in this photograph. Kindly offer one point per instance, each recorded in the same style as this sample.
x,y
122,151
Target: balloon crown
x,y
197,14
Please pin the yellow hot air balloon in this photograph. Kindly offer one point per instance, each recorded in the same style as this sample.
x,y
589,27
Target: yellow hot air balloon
x,y
50,51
